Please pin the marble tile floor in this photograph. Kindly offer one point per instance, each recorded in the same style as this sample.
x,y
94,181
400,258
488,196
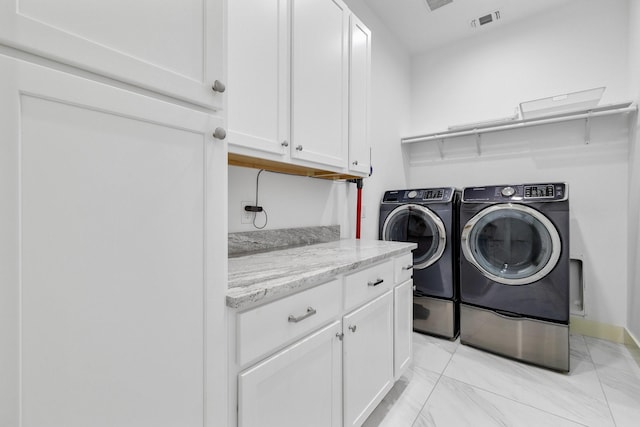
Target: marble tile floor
x,y
454,385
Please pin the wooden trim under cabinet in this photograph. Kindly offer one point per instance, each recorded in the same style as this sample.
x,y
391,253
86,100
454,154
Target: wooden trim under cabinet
x,y
273,166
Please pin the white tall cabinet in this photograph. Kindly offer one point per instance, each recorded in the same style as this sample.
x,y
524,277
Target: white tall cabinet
x,y
112,240
169,47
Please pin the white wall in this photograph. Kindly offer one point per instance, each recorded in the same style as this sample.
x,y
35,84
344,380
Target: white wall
x,y
579,46
298,201
634,177
290,201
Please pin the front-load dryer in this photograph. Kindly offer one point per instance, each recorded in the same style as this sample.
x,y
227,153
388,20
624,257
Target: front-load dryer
x,y
514,271
428,217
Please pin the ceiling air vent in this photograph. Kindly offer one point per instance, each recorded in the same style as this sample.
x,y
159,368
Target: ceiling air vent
x,y
435,4
485,19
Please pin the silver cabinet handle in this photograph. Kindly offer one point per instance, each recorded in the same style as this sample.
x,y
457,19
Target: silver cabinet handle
x,y
219,133
408,267
299,148
310,312
285,143
340,335
352,328
218,86
376,283
355,163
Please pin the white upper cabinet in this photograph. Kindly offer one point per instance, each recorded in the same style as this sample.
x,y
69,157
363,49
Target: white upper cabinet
x,y
320,49
258,68
171,47
359,95
299,77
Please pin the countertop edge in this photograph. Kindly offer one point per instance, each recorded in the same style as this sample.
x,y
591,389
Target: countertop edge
x,y
245,297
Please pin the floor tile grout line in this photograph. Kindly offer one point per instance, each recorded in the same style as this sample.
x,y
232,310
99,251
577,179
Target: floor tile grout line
x,y
589,358
597,371
514,400
441,374
511,399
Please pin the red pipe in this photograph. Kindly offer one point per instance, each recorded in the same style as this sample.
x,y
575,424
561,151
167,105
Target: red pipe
x,y
358,208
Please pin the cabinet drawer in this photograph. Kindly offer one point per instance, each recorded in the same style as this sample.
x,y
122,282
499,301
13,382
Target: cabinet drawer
x,y
403,268
267,327
366,284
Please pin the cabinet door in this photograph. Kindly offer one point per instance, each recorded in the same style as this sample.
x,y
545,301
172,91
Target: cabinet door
x,y
403,327
367,358
300,386
320,81
172,47
258,65
111,287
359,89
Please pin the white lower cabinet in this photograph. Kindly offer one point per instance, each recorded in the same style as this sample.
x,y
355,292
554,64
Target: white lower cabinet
x,y
367,358
299,386
402,327
340,341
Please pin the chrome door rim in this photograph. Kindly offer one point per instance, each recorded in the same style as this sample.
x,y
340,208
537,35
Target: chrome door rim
x,y
442,238
556,246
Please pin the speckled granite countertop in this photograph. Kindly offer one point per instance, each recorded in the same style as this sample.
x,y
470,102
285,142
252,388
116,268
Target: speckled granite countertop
x,y
258,278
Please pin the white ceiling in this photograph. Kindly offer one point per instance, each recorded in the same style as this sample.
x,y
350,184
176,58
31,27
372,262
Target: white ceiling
x,y
421,29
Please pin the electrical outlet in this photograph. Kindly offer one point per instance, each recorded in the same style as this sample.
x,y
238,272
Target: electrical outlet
x,y
246,217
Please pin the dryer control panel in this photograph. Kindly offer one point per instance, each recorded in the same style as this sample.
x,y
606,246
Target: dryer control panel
x,y
548,192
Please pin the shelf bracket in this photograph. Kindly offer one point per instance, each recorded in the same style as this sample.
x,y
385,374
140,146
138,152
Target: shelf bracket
x,y
441,148
478,143
587,129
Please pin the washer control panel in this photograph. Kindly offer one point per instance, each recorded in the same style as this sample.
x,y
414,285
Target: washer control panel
x,y
423,195
549,192
539,191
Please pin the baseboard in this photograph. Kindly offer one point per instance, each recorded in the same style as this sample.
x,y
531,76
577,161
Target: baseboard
x,y
578,325
617,334
634,345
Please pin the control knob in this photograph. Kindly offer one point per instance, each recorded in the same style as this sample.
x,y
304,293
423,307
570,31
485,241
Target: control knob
x,y
412,194
508,191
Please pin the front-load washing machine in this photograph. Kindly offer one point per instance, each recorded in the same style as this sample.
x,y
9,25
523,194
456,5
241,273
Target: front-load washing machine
x,y
428,217
514,272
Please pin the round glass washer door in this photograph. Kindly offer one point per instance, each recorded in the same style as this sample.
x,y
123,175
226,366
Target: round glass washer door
x,y
511,244
417,224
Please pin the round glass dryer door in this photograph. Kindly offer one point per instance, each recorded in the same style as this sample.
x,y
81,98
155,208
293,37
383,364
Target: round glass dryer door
x,y
511,244
417,224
